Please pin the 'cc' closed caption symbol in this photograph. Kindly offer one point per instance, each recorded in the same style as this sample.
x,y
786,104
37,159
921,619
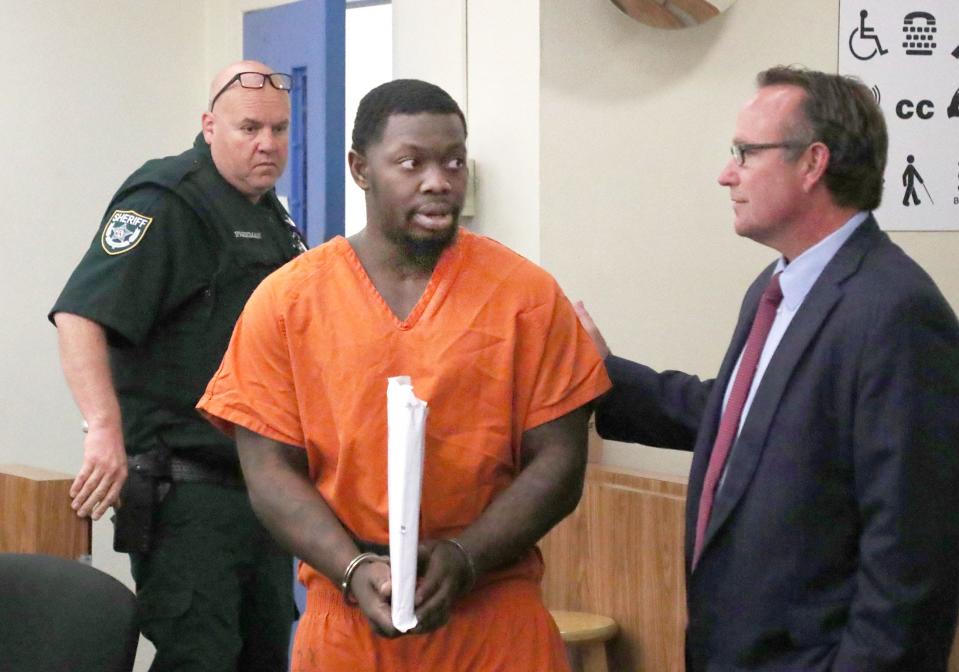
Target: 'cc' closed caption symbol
x,y
924,109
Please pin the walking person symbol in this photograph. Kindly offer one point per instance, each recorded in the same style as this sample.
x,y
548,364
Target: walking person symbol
x,y
865,34
909,177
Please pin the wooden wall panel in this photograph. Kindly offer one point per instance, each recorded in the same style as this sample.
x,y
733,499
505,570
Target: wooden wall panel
x,y
35,514
620,554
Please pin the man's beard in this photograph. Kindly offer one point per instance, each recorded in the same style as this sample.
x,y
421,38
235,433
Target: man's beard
x,y
423,253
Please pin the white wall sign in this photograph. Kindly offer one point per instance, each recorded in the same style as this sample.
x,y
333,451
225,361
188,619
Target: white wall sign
x,y
907,52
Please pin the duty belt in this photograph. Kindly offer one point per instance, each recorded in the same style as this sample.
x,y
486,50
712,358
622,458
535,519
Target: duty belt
x,y
192,471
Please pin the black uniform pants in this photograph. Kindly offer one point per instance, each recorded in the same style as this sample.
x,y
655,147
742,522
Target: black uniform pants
x,y
216,592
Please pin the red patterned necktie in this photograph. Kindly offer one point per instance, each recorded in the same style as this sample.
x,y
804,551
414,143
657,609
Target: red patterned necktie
x,y
729,423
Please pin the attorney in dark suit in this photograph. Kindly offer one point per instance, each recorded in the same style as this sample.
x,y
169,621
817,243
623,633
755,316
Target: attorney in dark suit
x,y
822,524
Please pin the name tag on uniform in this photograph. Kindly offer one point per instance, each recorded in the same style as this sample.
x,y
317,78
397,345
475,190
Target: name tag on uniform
x,y
253,235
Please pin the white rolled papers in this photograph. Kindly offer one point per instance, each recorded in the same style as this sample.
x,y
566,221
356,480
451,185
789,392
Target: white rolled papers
x,y
406,424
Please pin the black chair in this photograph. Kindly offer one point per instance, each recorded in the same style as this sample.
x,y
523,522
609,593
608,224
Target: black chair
x,y
59,615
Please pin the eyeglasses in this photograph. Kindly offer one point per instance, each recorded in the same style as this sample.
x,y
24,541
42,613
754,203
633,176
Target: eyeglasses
x,y
256,80
739,151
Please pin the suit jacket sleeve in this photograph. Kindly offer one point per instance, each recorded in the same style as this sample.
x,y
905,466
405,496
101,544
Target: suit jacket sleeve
x,y
906,481
656,409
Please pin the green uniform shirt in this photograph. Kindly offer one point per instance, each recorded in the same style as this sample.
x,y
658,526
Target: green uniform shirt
x,y
176,256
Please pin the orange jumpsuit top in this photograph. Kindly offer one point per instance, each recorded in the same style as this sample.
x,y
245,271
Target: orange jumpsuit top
x,y
493,346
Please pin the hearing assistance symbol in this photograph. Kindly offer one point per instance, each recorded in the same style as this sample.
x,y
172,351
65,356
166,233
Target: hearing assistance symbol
x,y
862,34
909,177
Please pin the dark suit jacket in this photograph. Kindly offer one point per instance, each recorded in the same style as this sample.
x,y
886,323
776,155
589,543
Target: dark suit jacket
x,y
834,540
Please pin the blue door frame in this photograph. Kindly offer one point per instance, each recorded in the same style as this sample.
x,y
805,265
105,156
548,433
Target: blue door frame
x,y
307,39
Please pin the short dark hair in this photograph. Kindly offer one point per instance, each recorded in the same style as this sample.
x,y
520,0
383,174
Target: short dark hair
x,y
843,114
401,96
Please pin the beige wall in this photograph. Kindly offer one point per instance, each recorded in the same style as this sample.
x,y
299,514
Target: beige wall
x,y
429,42
84,104
633,221
91,89
486,54
612,184
504,96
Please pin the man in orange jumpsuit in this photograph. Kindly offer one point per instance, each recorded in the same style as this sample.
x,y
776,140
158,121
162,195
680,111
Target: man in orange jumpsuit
x,y
491,344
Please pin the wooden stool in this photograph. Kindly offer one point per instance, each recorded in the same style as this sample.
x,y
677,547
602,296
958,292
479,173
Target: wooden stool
x,y
588,633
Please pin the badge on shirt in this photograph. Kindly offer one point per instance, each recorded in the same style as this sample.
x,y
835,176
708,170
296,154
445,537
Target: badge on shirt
x,y
124,231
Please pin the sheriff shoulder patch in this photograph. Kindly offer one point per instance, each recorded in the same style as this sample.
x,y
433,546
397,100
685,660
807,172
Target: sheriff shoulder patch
x,y
124,231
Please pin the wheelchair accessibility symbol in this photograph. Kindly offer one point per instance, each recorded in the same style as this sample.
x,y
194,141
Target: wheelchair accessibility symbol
x,y
863,41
